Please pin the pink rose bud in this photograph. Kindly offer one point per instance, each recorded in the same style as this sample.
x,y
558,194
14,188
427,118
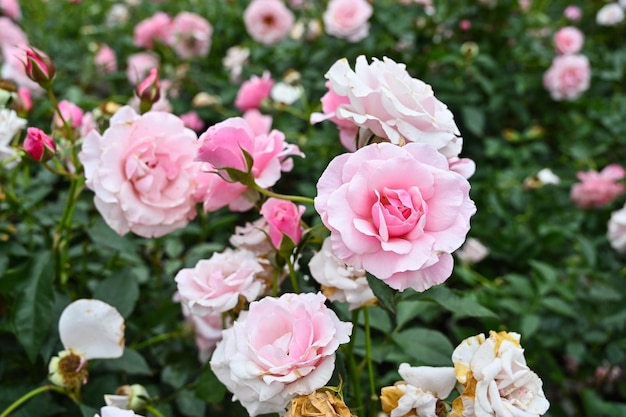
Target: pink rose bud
x,y
25,102
39,145
39,67
149,90
284,219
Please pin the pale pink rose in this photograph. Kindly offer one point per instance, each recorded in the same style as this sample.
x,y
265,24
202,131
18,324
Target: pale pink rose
x,y
568,40
397,212
386,100
190,35
472,251
72,115
138,66
215,285
617,230
339,281
610,14
259,123
254,91
348,19
573,13
268,21
105,59
568,77
142,172
236,57
347,129
283,218
154,28
192,121
253,237
597,189
498,382
11,8
12,35
265,363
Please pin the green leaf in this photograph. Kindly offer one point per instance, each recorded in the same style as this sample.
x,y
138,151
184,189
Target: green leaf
x,y
209,388
121,290
189,404
461,307
383,292
131,362
474,120
33,312
530,324
427,347
559,306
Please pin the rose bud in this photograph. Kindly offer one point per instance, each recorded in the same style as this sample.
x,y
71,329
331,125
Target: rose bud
x,y
39,68
39,145
149,90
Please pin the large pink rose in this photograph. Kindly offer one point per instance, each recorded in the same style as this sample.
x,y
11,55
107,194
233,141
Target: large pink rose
x,y
348,19
386,100
254,91
398,212
190,35
568,40
568,77
268,21
597,189
141,170
280,348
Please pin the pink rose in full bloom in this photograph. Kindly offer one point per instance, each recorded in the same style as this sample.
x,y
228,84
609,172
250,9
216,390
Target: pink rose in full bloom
x,y
597,189
265,363
573,13
617,230
347,129
190,35
386,101
254,91
215,285
397,212
139,65
154,28
268,21
283,218
105,59
568,77
568,40
348,19
72,114
142,172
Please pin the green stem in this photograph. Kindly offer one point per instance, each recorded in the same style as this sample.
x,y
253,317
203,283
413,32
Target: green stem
x,y
292,276
354,376
294,198
155,339
153,410
61,237
368,357
30,395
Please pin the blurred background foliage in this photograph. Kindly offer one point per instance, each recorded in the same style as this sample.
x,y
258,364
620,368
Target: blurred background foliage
x,y
551,274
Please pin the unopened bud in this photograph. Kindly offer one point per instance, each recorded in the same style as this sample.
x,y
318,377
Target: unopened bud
x,y
39,68
149,90
39,145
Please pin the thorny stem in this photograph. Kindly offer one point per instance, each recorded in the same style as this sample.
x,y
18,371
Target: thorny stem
x,y
17,403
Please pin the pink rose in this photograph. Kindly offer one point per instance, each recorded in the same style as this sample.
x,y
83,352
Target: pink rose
x,y
13,67
72,114
139,65
154,28
215,285
397,212
472,251
386,100
573,13
348,19
568,77
259,123
283,218
265,363
268,21
253,237
617,230
347,129
254,91
190,35
597,189
568,40
39,145
105,59
142,172
192,121
11,8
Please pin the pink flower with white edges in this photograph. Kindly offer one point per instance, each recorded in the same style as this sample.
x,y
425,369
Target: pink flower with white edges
x,y
348,19
252,92
142,172
568,40
268,21
190,35
215,285
617,230
386,100
154,28
283,218
568,77
397,212
597,189
339,281
265,363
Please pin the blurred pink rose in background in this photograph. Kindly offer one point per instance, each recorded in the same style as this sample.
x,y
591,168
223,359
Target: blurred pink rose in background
x,y
348,19
472,251
610,14
154,28
192,121
139,65
268,21
616,232
252,92
72,114
190,35
105,59
283,218
573,13
568,77
142,172
11,8
597,189
265,363
568,40
397,212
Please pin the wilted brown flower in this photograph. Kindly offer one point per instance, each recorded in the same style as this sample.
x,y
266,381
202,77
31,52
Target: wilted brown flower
x,y
322,403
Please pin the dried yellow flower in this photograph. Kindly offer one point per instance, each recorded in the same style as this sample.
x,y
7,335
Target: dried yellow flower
x,y
322,403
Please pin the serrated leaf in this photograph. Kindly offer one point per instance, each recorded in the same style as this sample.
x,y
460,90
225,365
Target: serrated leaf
x,y
427,347
121,290
209,388
383,292
131,362
33,312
